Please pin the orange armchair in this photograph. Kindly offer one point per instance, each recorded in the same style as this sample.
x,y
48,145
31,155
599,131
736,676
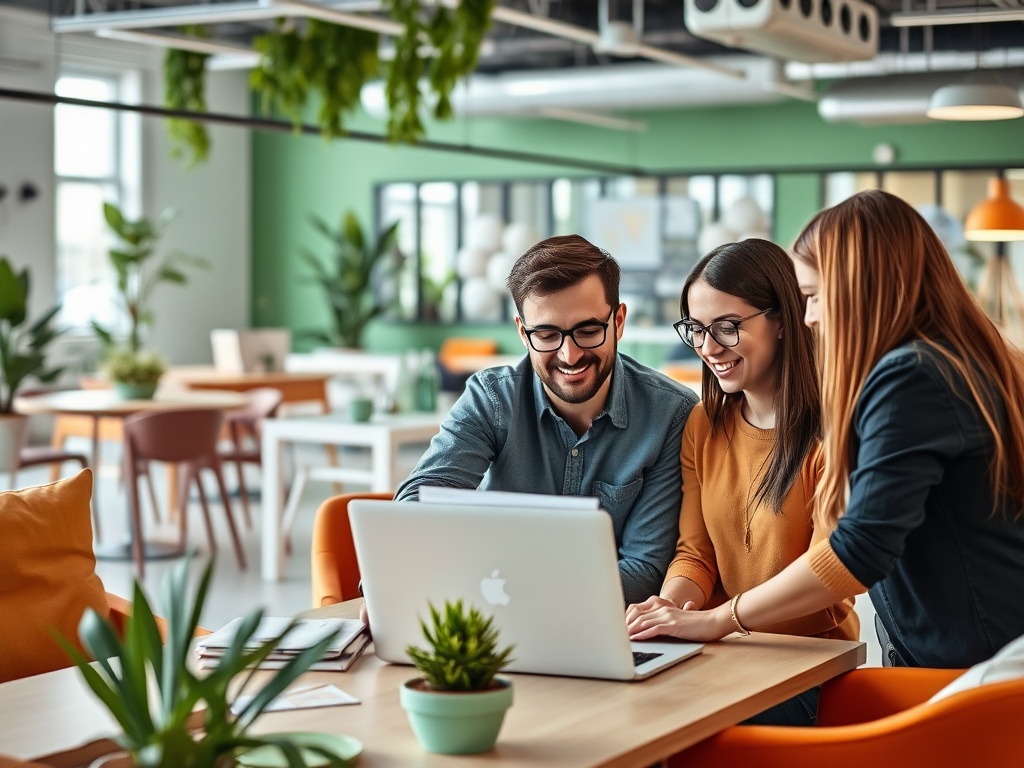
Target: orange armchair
x,y
881,717
335,568
121,609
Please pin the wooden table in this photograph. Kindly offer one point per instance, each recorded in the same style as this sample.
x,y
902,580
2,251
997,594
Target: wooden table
x,y
98,406
295,387
382,435
554,721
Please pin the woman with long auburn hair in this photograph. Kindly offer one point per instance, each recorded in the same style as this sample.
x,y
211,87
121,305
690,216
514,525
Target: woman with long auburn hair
x,y
751,453
923,422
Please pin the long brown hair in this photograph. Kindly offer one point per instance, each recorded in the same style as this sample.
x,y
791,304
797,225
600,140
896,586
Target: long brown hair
x,y
886,280
761,273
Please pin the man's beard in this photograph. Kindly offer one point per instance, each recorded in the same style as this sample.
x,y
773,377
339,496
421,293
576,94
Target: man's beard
x,y
576,393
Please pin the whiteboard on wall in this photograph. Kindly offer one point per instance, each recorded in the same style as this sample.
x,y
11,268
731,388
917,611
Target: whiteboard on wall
x,y
628,229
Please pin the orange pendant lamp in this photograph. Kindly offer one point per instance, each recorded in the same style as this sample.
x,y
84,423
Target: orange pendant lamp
x,y
997,218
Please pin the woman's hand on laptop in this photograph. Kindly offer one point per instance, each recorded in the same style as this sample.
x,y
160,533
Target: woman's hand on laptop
x,y
657,616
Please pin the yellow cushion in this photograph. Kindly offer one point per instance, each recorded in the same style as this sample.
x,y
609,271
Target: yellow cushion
x,y
47,573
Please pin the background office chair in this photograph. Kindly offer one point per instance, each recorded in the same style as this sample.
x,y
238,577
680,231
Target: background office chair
x,y
335,568
186,437
247,422
881,717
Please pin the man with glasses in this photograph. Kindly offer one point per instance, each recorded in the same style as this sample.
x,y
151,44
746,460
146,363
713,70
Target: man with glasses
x,y
574,417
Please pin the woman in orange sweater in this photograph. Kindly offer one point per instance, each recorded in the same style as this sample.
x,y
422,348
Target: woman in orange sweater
x,y
750,455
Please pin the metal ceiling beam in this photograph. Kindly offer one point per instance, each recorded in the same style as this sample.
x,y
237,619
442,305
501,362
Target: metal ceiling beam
x,y
179,42
956,16
243,10
284,126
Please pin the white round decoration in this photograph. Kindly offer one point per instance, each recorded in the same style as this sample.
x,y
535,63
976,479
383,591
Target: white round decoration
x,y
518,239
480,302
714,235
484,233
745,215
471,262
498,268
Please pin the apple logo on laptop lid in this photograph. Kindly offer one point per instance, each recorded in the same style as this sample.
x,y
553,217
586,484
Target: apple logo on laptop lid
x,y
493,589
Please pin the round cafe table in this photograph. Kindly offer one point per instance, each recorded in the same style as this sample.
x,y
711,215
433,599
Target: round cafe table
x,y
104,404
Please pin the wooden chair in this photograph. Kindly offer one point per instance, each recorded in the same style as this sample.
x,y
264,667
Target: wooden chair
x,y
186,437
335,568
246,422
881,717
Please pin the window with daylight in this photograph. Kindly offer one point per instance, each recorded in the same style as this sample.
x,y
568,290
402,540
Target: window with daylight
x,y
95,161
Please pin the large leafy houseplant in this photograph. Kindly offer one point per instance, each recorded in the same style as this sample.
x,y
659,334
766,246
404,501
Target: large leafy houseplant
x,y
348,282
156,699
138,275
463,658
22,349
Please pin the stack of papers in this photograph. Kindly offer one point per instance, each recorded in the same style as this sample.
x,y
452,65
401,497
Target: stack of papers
x,y
339,656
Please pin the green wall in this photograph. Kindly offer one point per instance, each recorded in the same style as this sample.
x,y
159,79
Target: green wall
x,y
295,175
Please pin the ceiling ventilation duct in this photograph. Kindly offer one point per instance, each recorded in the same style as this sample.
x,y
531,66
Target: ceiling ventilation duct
x,y
603,89
804,30
883,100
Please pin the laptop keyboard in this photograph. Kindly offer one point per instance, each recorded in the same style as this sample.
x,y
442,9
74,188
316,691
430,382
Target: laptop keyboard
x,y
641,658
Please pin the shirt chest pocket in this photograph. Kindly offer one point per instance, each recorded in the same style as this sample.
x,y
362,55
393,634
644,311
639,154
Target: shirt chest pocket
x,y
617,501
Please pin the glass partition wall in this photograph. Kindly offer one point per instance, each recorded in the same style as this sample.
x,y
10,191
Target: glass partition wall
x,y
459,238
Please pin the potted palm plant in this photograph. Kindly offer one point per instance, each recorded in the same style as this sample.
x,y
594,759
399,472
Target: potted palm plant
x,y
170,716
348,283
22,354
133,373
459,704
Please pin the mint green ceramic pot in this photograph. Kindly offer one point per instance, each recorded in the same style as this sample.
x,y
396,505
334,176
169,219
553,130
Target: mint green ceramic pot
x,y
456,723
134,391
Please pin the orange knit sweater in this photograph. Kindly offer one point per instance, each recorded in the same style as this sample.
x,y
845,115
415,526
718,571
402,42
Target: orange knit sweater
x,y
720,476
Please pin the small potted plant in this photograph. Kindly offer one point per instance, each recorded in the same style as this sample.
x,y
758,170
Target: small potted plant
x,y
134,375
22,355
173,718
458,706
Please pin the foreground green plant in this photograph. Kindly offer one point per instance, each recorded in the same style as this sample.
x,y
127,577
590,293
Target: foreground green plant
x,y
22,350
150,690
463,654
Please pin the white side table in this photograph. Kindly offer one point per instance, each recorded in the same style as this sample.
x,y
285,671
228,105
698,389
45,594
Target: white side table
x,y
383,435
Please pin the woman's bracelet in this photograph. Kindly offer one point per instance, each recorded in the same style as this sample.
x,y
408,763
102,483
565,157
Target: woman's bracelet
x,y
735,619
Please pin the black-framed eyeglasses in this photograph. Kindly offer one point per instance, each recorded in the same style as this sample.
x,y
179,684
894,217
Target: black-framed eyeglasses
x,y
586,335
725,332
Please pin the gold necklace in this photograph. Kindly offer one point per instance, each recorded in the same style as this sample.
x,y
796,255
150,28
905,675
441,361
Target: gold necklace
x,y
748,513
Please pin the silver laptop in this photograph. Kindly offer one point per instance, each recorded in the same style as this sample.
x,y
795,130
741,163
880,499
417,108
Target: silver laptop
x,y
549,577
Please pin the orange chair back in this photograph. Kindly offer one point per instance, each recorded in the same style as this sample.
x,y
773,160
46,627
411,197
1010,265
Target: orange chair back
x,y
335,568
981,726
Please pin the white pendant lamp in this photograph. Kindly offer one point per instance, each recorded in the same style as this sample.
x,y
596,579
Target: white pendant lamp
x,y
997,218
975,101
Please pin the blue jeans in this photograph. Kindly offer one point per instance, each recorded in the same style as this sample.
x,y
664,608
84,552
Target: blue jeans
x,y
800,710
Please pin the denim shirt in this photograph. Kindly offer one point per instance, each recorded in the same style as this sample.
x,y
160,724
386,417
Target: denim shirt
x,y
503,434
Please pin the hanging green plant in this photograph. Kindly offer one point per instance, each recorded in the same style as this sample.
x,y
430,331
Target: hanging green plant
x,y
280,78
331,60
455,37
404,73
185,89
